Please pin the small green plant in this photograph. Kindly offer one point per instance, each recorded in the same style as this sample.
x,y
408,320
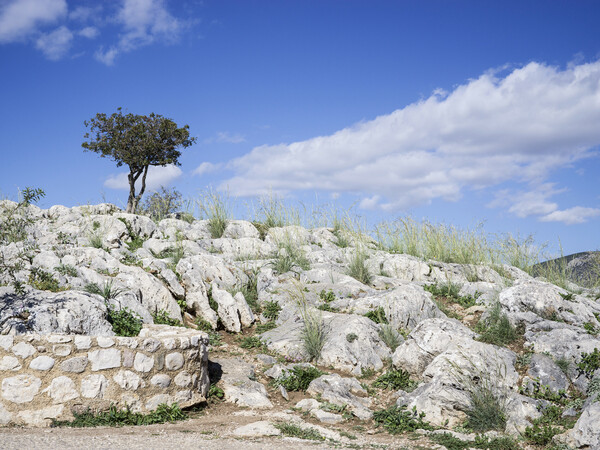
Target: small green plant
x,y
451,442
298,378
106,291
591,328
543,392
563,364
357,268
289,258
590,362
264,327
486,411
124,321
118,418
162,317
161,204
450,291
251,342
96,240
593,389
249,289
397,419
395,380
42,280
15,220
328,296
215,207
327,307
377,315
203,325
271,310
293,430
313,334
66,269
390,336
351,337
215,392
496,329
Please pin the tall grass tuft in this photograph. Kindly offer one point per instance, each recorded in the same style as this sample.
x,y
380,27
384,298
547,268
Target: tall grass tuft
x,y
217,209
358,269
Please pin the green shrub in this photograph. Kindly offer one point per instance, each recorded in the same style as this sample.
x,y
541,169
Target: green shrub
x,y
396,419
215,207
591,328
66,269
291,258
293,430
249,289
357,268
496,329
118,418
215,392
390,336
124,321
328,296
451,292
162,317
15,220
96,240
395,380
161,204
590,362
298,378
263,327
543,392
483,442
42,280
313,334
106,291
251,342
486,411
271,310
541,434
377,315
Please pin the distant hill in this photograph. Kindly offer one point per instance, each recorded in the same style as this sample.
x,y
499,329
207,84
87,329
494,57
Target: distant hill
x,y
581,268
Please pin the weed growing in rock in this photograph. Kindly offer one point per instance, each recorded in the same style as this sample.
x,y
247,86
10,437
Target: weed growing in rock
x,y
496,329
249,289
483,442
357,267
328,296
215,392
96,240
487,411
390,336
590,362
248,342
106,291
66,269
124,321
397,419
351,337
271,310
395,380
118,418
289,257
263,327
298,378
451,292
314,334
15,220
377,315
216,208
293,430
162,317
42,280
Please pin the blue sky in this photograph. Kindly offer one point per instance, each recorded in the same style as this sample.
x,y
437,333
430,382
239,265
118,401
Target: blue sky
x,y
453,111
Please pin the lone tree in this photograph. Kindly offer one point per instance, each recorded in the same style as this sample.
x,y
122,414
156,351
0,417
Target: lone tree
x,y
139,142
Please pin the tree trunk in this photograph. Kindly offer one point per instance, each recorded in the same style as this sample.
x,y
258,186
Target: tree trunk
x,y
132,200
137,199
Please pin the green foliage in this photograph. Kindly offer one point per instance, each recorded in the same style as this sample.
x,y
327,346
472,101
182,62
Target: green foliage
x,y
162,317
293,430
357,268
118,418
216,208
42,280
249,289
486,411
66,269
138,142
272,213
15,220
263,327
313,334
161,204
451,292
298,378
397,419
483,442
271,310
351,337
124,321
96,240
106,291
328,296
590,362
543,392
342,240
289,258
593,388
203,325
390,336
395,380
591,328
215,392
377,315
251,342
540,434
496,329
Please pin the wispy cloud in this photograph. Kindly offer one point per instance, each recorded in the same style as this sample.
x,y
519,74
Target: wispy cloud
x,y
518,126
20,18
226,137
157,176
89,32
206,167
571,216
55,44
144,22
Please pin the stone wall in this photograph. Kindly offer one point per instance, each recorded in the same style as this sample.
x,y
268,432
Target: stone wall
x,y
45,377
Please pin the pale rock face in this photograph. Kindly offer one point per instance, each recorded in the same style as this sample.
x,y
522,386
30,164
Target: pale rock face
x,y
9,363
93,386
143,363
233,311
5,416
128,380
20,388
405,267
75,365
156,400
105,359
40,417
162,380
23,350
140,225
342,391
237,229
174,361
62,389
42,363
257,429
585,432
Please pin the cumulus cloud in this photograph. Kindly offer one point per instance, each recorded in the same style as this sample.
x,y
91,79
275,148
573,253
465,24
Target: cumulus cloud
x,y
20,18
144,22
56,44
89,32
205,167
578,214
518,126
157,176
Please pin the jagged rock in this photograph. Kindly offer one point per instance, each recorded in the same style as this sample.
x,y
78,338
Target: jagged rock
x,y
547,373
237,229
237,385
585,432
342,391
141,226
234,312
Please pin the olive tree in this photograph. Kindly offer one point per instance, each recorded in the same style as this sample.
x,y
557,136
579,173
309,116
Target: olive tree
x,y
137,141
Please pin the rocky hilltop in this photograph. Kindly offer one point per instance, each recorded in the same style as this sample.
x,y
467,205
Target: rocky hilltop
x,y
321,320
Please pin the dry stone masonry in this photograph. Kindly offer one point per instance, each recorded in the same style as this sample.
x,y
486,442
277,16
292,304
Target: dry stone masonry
x,y
44,377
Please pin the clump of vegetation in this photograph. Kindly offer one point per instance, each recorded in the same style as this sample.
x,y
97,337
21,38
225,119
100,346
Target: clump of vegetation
x,y
124,321
544,428
395,380
486,411
451,292
162,317
106,291
496,329
328,296
298,378
313,334
541,391
249,289
215,392
248,342
96,240
293,430
118,418
377,315
263,327
397,419
590,362
271,310
272,213
390,336
66,269
15,220
289,258
42,280
351,337
483,442
358,269
161,204
216,208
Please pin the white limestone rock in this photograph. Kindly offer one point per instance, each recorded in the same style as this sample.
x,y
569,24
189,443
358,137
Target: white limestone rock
x,y
20,388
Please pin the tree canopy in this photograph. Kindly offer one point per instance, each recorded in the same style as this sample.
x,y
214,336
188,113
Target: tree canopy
x,y
138,142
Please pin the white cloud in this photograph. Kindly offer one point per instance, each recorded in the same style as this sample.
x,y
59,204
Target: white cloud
x,y
494,129
144,22
89,32
577,214
56,44
20,18
229,138
85,13
205,167
157,176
